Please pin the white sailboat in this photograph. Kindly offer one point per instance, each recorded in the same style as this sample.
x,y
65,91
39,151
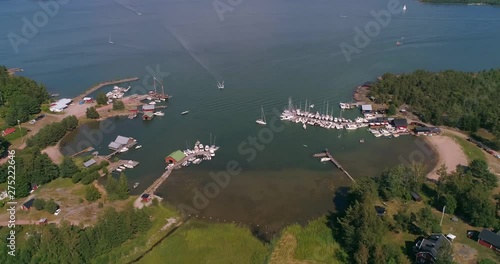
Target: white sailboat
x,y
220,85
262,120
110,41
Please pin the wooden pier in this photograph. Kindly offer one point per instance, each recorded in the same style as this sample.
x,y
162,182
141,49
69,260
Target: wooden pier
x,y
130,144
152,189
83,151
100,85
337,164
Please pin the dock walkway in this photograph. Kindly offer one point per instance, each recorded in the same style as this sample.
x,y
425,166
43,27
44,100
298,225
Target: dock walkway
x,y
334,161
151,189
130,144
100,85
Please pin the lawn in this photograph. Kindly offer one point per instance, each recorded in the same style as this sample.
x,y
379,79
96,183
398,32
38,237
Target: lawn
x,y
202,242
313,243
133,249
471,150
16,134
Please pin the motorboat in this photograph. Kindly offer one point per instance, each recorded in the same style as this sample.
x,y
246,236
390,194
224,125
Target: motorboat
x,y
118,170
157,100
351,126
220,85
159,113
128,166
123,149
136,184
185,112
152,103
304,126
138,147
404,8
325,159
262,120
122,167
207,147
197,161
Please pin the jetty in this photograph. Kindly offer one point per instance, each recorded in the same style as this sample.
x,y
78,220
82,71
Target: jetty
x,y
13,71
83,151
100,85
327,153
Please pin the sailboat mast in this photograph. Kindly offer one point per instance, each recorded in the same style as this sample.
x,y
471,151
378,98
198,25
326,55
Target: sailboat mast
x,y
154,83
162,91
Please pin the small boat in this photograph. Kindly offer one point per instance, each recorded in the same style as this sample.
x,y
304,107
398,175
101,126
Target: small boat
x,y
136,184
262,120
185,112
157,100
404,8
122,167
311,106
325,159
220,85
118,170
138,147
152,103
361,141
207,147
162,99
304,126
110,41
159,113
305,146
197,161
123,149
128,166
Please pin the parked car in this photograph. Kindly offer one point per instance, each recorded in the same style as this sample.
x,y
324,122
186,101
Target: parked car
x,y
39,117
57,211
32,121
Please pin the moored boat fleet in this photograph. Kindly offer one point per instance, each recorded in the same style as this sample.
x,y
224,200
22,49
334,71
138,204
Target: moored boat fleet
x,y
201,152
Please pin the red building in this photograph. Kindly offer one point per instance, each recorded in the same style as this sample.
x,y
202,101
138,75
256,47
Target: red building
x,y
8,131
400,123
489,239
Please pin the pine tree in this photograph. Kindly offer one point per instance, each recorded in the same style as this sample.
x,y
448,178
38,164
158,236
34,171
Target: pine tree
x,y
92,194
68,168
122,190
92,113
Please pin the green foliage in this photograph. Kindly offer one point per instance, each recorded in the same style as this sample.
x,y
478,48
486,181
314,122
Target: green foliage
x,y
101,98
92,113
39,204
404,220
68,168
456,99
52,133
92,194
427,221
392,110
51,206
445,254
118,105
399,181
20,96
90,177
4,146
117,190
486,261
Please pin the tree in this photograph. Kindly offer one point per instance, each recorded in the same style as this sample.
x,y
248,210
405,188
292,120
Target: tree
x,y
122,190
363,255
92,194
392,110
51,206
68,168
39,204
118,105
449,201
70,123
90,177
101,99
92,113
445,253
427,221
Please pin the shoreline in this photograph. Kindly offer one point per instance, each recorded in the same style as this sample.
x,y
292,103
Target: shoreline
x,y
448,152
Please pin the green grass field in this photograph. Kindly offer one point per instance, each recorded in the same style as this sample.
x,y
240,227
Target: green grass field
x,y
17,134
471,151
201,242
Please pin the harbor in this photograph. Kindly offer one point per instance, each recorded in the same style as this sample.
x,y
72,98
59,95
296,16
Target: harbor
x,y
177,160
103,84
377,123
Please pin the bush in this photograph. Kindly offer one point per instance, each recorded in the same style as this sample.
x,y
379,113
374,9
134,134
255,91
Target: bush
x,y
118,105
92,194
90,177
39,204
101,99
51,206
92,113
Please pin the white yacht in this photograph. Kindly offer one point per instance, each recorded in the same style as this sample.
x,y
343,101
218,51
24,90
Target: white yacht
x,y
118,169
123,149
136,184
325,159
351,126
220,85
138,147
304,126
152,103
159,113
185,112
262,120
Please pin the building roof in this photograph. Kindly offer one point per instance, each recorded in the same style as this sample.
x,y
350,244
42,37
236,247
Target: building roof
x,y
149,114
422,129
114,145
148,107
432,244
490,237
366,107
9,131
122,140
29,203
177,155
415,195
89,163
61,104
400,122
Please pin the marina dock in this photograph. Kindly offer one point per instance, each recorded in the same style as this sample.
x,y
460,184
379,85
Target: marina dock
x,y
83,151
100,85
126,163
334,161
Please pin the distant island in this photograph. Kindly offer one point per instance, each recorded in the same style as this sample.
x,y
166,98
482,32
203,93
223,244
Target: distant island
x,y
469,2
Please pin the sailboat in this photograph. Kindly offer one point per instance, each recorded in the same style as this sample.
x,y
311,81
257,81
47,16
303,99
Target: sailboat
x,y
404,8
110,41
262,120
220,85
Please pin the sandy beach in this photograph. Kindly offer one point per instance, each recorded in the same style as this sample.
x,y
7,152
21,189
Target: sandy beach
x,y
449,153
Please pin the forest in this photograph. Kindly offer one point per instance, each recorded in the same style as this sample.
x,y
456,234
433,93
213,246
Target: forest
x,y
75,244
465,100
486,2
20,97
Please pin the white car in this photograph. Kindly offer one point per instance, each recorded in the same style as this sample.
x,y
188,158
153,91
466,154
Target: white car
x,y
57,211
32,121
